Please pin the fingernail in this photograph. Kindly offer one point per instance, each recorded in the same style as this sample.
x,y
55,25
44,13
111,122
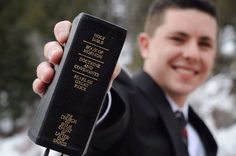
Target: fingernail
x,y
62,34
52,53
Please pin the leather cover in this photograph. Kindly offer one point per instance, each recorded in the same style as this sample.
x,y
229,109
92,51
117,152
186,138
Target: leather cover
x,y
66,117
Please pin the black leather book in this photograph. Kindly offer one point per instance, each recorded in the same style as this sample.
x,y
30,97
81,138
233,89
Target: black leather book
x,y
66,117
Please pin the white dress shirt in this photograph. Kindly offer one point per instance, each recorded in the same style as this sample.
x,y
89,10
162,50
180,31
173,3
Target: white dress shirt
x,y
195,146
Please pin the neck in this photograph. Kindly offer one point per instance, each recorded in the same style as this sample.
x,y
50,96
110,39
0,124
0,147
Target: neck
x,y
178,99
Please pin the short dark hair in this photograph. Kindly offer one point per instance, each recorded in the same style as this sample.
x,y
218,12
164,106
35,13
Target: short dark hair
x,y
158,7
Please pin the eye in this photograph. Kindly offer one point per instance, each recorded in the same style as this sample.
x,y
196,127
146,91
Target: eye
x,y
205,44
177,39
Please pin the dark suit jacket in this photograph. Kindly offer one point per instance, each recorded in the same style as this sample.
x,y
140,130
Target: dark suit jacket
x,y
141,123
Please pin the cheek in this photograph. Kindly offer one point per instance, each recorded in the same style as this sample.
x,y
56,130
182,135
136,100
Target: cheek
x,y
172,55
163,54
208,63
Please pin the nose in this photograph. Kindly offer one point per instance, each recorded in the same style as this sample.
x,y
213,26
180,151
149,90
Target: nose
x,y
191,51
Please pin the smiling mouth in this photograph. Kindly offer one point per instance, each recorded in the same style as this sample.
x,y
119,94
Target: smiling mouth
x,y
185,72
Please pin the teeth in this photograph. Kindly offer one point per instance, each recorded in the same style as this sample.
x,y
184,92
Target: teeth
x,y
185,71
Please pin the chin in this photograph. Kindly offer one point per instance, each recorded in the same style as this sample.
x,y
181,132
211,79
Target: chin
x,y
184,89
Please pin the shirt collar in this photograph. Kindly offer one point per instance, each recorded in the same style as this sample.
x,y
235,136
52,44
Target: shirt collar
x,y
175,107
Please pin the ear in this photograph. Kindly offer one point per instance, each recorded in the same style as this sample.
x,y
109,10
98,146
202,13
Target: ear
x,y
143,43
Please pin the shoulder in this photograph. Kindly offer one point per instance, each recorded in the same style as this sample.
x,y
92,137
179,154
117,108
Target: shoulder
x,y
123,79
123,85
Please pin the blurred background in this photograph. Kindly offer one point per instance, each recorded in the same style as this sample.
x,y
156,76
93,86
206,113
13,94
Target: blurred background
x,y
27,25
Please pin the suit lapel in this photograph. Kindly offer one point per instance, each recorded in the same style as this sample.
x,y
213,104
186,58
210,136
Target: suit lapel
x,y
205,135
157,98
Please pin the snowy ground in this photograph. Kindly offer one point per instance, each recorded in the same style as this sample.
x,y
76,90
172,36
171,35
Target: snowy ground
x,y
215,94
20,145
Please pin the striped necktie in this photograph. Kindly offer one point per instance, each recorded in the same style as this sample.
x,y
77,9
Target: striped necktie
x,y
182,121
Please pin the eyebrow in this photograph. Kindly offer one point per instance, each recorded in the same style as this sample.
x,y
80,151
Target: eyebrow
x,y
182,34
202,38
206,39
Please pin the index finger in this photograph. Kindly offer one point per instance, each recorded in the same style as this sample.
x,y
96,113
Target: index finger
x,y
61,31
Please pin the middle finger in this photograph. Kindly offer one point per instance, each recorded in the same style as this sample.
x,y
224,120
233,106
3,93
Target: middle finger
x,y
53,52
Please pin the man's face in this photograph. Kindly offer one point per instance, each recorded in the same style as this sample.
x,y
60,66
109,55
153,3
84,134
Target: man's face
x,y
180,54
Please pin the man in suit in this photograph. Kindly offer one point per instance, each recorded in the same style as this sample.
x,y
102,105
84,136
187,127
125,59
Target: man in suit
x,y
148,111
